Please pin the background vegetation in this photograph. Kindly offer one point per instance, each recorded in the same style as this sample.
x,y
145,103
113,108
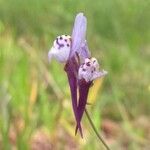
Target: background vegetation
x,y
35,105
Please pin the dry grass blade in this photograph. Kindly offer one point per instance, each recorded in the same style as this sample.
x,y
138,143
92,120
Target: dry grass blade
x,y
32,52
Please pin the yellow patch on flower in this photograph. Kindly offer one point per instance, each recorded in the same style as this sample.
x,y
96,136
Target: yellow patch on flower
x,y
95,90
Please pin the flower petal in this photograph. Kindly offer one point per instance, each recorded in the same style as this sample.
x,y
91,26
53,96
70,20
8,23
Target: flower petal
x,y
99,74
83,94
71,70
60,49
78,33
84,51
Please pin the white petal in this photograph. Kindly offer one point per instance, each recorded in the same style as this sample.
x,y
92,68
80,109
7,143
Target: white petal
x,y
60,49
89,70
50,55
99,74
95,63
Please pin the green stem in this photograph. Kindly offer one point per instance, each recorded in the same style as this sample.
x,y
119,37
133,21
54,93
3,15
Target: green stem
x,y
95,130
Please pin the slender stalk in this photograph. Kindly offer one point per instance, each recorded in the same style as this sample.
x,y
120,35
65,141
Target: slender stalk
x,y
95,130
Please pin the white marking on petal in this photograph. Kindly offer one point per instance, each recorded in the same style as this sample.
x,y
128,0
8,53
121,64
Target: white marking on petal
x,y
99,74
95,63
60,49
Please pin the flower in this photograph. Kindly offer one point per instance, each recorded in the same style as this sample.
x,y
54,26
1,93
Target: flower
x,y
80,67
61,48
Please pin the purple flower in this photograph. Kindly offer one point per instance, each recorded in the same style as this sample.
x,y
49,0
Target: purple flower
x,y
80,67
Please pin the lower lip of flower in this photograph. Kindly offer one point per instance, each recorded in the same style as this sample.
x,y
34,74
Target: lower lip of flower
x,y
61,48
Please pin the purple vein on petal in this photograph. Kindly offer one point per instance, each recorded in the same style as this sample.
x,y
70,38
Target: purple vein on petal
x,y
60,45
83,94
78,33
71,70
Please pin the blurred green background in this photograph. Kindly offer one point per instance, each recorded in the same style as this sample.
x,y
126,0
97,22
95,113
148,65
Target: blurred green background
x,y
35,105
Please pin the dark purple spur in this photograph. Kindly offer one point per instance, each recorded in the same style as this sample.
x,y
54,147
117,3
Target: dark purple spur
x,y
80,67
